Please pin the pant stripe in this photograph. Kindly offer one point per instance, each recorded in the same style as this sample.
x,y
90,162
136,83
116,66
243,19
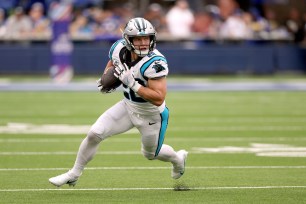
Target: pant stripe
x,y
164,124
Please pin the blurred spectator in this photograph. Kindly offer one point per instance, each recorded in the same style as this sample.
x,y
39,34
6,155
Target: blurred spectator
x,y
296,25
18,25
219,19
2,22
272,28
155,15
126,12
254,23
40,24
205,24
233,26
107,24
180,19
80,27
227,8
84,3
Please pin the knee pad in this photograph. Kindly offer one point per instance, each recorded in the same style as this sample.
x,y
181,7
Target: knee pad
x,y
147,154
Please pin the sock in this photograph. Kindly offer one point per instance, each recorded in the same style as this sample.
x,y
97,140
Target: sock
x,y
167,154
87,151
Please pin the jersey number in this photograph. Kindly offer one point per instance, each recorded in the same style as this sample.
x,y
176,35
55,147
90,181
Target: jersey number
x,y
131,95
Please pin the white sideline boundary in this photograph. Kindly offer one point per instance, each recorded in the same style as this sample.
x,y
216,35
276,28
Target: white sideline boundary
x,y
156,168
147,189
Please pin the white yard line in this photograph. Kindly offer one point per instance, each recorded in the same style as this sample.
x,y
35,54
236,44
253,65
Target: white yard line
x,y
269,154
146,189
169,138
67,153
156,168
60,129
239,128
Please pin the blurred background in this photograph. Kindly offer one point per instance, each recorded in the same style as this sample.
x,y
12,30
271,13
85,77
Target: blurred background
x,y
67,38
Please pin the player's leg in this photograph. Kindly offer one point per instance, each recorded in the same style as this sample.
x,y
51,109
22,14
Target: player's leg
x,y
153,131
105,126
114,121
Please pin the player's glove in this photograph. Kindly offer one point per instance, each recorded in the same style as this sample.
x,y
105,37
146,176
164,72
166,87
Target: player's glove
x,y
100,87
99,84
125,75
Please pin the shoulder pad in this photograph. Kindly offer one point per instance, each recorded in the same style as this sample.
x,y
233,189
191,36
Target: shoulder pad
x,y
115,49
155,67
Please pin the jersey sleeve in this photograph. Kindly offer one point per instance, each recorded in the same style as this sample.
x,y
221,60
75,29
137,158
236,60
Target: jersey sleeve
x,y
115,49
156,67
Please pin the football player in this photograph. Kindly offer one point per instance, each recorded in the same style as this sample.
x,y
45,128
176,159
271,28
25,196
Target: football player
x,y
142,70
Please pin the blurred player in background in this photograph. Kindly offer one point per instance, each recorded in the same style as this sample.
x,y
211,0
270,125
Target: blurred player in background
x,y
142,70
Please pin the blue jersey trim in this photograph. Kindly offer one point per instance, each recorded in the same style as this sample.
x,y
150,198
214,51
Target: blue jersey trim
x,y
164,124
146,65
110,55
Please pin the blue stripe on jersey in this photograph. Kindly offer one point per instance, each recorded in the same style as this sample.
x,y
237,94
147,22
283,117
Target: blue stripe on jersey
x,y
164,123
145,66
110,54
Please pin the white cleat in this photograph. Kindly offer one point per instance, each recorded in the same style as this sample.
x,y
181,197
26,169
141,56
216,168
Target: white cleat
x,y
179,169
66,178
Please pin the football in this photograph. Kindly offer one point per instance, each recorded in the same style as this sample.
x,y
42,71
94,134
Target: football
x,y
109,81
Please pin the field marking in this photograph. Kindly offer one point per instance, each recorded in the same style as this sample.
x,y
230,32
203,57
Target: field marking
x,y
146,189
128,140
267,154
67,153
280,153
239,128
28,128
200,119
259,149
156,168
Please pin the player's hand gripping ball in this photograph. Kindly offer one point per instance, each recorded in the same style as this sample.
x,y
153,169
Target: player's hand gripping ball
x,y
108,82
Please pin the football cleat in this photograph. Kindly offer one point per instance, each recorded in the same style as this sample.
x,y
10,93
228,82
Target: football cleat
x,y
179,169
66,178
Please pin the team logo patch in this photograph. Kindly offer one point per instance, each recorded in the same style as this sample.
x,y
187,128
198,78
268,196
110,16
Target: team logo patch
x,y
158,67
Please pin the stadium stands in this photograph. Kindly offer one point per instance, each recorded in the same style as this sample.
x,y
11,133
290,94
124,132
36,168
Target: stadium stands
x,y
238,32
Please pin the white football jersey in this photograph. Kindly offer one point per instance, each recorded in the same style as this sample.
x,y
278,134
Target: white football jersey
x,y
154,65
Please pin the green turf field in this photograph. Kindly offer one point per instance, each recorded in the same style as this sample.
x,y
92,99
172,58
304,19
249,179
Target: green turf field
x,y
244,147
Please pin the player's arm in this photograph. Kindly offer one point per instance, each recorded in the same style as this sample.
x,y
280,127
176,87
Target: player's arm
x,y
155,92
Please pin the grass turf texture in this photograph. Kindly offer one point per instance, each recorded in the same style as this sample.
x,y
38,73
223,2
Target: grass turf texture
x,y
197,119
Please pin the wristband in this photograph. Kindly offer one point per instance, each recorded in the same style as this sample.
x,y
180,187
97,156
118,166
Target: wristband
x,y
136,86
